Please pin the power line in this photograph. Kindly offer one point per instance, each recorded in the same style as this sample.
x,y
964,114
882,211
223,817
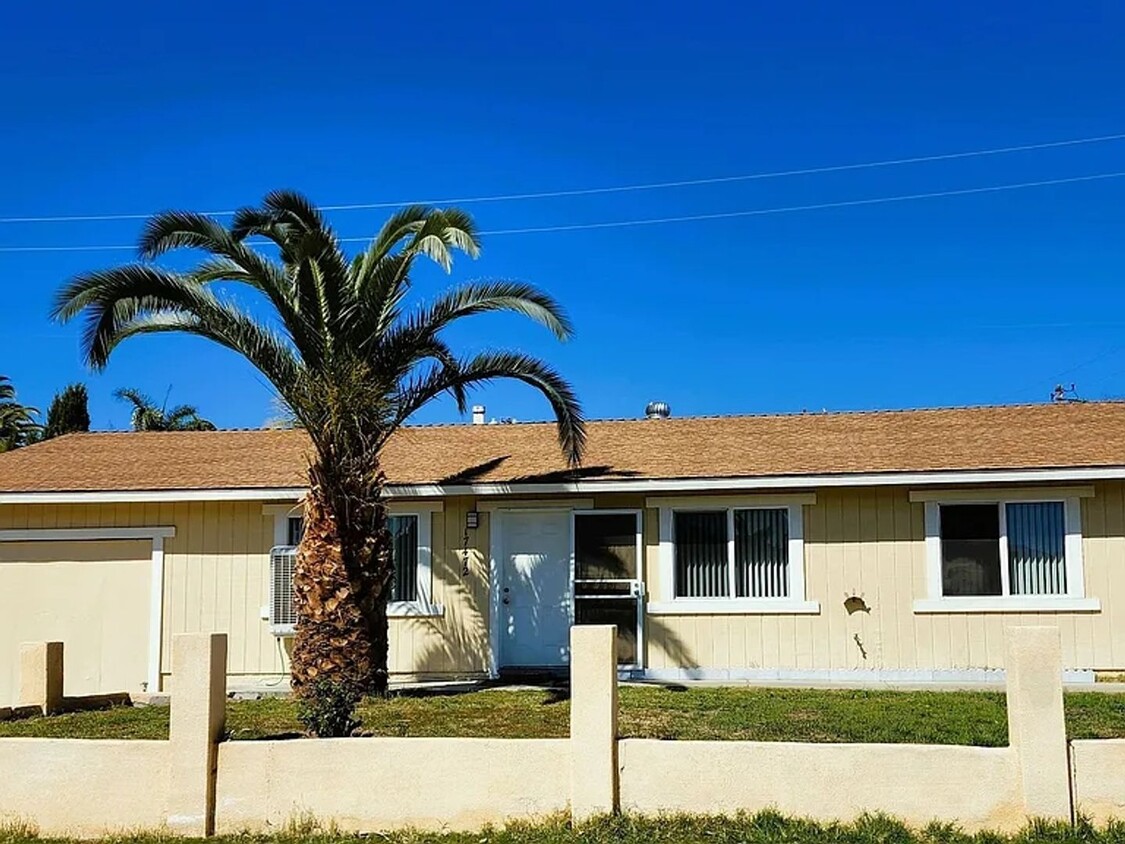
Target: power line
x,y
652,221
512,197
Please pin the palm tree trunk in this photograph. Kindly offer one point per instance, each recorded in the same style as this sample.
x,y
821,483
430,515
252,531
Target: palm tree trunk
x,y
341,583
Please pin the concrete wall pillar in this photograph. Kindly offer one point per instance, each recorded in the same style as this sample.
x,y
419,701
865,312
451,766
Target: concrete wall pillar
x,y
41,676
593,721
199,691
1036,724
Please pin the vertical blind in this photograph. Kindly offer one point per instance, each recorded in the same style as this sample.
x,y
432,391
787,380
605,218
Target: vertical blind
x,y
761,554
701,554
404,538
1037,548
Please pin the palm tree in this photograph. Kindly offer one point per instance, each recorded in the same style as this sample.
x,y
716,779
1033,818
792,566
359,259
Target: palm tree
x,y
17,421
351,362
148,416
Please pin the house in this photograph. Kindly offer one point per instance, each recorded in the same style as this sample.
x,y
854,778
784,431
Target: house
x,y
873,546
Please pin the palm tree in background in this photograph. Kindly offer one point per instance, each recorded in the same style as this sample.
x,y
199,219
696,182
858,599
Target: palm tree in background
x,y
149,416
349,360
17,421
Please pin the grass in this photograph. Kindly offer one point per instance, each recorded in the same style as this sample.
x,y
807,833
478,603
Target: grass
x,y
817,715
763,828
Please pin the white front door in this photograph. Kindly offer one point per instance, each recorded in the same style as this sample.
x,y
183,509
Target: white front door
x,y
535,600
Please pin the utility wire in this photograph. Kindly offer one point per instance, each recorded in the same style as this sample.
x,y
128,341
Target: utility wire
x,y
512,197
652,221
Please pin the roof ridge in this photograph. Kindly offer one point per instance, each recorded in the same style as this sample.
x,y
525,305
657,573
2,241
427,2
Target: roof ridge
x,y
790,414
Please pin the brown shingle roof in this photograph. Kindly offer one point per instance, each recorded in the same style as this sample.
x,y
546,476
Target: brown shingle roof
x,y
1010,437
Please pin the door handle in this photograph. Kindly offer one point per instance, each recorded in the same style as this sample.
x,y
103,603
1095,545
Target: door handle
x,y
505,601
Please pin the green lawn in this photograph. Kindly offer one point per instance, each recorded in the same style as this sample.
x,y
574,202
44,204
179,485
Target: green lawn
x,y
977,718
764,828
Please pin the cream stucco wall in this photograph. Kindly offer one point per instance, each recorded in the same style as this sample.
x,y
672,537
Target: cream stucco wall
x,y
388,783
94,596
1098,770
84,788
917,783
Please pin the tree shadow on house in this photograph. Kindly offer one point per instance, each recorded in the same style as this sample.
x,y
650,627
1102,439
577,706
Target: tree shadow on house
x,y
481,472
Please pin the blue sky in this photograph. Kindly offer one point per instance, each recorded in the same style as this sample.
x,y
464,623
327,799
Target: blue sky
x,y
131,107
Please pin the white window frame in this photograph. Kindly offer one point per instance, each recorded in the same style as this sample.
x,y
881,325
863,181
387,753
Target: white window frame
x,y
1075,599
795,603
424,605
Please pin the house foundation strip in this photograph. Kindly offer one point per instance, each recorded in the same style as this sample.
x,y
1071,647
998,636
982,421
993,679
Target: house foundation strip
x,y
1036,722
199,666
593,721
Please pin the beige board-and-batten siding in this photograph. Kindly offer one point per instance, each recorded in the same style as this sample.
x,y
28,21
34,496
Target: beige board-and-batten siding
x,y
863,542
870,543
216,579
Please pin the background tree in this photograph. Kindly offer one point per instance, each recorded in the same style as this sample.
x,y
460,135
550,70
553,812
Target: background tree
x,y
17,421
69,412
149,416
350,361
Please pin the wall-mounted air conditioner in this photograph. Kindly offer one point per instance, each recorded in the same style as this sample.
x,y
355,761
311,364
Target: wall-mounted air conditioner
x,y
283,618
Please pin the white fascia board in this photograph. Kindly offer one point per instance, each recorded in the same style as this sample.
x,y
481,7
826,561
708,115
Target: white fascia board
x,y
774,482
644,486
154,496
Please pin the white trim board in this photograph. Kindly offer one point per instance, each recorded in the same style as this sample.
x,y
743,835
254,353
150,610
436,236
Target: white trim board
x,y
1007,604
1021,493
593,487
65,534
703,502
733,606
156,535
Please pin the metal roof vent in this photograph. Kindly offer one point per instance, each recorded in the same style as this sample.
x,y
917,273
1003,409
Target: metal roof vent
x,y
657,410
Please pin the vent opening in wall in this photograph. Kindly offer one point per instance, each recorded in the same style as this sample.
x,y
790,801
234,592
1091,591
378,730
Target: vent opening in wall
x,y
283,618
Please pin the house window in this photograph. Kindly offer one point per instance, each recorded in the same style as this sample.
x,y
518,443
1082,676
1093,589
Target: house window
x,y
404,550
1013,548
295,529
733,557
758,566
1018,554
970,549
410,552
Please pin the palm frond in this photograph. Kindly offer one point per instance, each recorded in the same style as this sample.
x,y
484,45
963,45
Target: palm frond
x,y
141,299
484,297
492,366
170,230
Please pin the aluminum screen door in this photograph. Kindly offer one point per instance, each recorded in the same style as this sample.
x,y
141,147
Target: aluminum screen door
x,y
608,585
